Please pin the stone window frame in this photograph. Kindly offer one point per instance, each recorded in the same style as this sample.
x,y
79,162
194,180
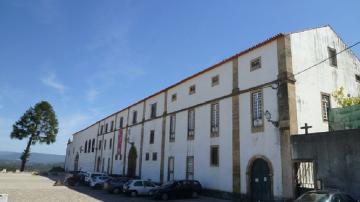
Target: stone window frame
x,y
104,144
172,128
93,145
112,126
192,89
323,113
153,108
215,80
173,97
332,57
110,144
154,156
191,124
190,170
99,148
101,129
85,150
152,137
214,162
121,123
89,146
254,61
134,117
106,127
147,156
171,172
215,129
260,128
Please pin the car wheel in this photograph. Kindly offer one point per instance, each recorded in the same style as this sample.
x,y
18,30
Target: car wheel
x,y
133,193
164,197
194,194
116,191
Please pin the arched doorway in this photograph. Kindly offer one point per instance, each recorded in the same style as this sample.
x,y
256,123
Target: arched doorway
x,y
260,180
76,162
131,169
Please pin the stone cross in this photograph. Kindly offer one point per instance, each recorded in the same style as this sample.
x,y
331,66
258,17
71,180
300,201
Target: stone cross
x,y
306,127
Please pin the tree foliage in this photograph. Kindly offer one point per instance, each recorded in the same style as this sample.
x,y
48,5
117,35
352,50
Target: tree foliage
x,y
38,124
344,101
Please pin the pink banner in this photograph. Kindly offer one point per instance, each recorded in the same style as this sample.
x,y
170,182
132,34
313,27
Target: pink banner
x,y
119,142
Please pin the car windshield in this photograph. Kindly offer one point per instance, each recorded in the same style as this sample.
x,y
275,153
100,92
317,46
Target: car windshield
x,y
313,197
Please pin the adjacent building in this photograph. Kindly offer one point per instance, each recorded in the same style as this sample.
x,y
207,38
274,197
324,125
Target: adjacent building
x,y
229,125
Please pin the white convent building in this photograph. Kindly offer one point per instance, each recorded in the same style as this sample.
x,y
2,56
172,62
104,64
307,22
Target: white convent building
x,y
227,126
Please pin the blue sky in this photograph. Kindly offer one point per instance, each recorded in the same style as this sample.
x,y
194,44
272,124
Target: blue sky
x,y
90,58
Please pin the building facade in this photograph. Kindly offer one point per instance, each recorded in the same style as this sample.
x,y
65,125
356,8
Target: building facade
x,y
229,125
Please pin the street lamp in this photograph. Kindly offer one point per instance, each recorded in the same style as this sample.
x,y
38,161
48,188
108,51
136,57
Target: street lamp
x,y
268,118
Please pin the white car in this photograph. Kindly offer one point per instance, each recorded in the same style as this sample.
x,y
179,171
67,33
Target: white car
x,y
138,187
89,175
98,181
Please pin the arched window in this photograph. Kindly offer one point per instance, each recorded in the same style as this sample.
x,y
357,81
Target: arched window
x,y
89,146
85,146
93,145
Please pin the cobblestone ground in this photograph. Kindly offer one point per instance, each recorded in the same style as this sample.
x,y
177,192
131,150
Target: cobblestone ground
x,y
27,187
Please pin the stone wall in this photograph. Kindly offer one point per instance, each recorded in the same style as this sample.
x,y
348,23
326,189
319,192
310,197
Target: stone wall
x,y
336,157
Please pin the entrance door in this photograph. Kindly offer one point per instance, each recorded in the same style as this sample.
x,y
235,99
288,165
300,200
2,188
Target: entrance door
x,y
131,170
260,181
76,162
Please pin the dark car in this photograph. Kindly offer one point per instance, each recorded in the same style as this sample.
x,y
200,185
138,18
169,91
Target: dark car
x,y
325,196
115,184
177,189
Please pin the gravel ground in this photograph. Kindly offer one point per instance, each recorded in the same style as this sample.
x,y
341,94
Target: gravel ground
x,y
27,187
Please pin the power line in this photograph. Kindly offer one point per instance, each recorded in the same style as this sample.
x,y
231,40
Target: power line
x,y
327,58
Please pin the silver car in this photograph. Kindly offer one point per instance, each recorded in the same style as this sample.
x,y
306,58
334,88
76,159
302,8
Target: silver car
x,y
325,196
138,187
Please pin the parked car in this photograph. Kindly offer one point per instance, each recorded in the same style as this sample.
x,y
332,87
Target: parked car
x,y
98,181
177,189
115,185
89,175
325,196
138,187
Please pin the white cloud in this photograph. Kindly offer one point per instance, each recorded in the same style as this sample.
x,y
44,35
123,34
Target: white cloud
x,y
51,81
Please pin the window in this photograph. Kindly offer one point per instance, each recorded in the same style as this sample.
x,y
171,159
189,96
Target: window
x,y
116,157
99,144
172,127
106,128
255,64
192,89
325,106
104,144
152,137
215,80
89,145
153,110
215,116
121,122
108,166
170,169
93,145
257,109
190,167
134,117
101,129
214,155
102,166
173,97
332,56
191,123
154,156
85,147
357,78
110,143
147,156
112,126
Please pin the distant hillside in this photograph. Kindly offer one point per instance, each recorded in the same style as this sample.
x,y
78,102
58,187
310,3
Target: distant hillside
x,y
34,157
